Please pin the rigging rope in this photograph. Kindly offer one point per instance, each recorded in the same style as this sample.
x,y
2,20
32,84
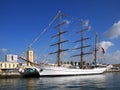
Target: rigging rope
x,y
44,30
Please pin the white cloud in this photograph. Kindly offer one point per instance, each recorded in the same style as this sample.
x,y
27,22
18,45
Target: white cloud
x,y
105,45
114,31
84,22
2,54
3,50
113,57
67,21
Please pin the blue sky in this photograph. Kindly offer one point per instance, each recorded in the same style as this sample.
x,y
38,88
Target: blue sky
x,y
22,20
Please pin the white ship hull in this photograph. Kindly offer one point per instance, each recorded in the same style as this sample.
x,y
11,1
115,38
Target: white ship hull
x,y
62,71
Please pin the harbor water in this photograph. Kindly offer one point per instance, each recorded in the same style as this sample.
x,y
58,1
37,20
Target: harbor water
x,y
106,81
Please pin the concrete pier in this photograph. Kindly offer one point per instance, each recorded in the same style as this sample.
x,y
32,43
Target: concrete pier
x,y
10,75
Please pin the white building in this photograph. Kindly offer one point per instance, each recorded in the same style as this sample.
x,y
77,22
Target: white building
x,y
9,65
11,58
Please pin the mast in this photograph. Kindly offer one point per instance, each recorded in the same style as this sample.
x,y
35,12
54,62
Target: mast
x,y
59,40
95,55
82,44
82,40
59,35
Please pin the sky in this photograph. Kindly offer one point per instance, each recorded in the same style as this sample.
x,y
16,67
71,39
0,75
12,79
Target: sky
x,y
21,21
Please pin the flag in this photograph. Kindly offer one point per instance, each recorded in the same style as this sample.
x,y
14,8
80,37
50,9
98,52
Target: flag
x,y
103,51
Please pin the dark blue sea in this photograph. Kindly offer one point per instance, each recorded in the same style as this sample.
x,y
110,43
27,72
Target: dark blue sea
x,y
107,81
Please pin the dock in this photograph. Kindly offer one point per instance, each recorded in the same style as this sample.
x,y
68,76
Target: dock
x,y
10,75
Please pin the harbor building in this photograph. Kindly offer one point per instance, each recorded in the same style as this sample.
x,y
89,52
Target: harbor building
x,y
11,58
10,63
30,57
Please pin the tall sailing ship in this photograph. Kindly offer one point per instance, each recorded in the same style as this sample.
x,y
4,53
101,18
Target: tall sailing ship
x,y
60,70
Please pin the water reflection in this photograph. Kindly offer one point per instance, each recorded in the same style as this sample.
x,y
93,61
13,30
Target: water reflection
x,y
6,84
73,82
92,82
